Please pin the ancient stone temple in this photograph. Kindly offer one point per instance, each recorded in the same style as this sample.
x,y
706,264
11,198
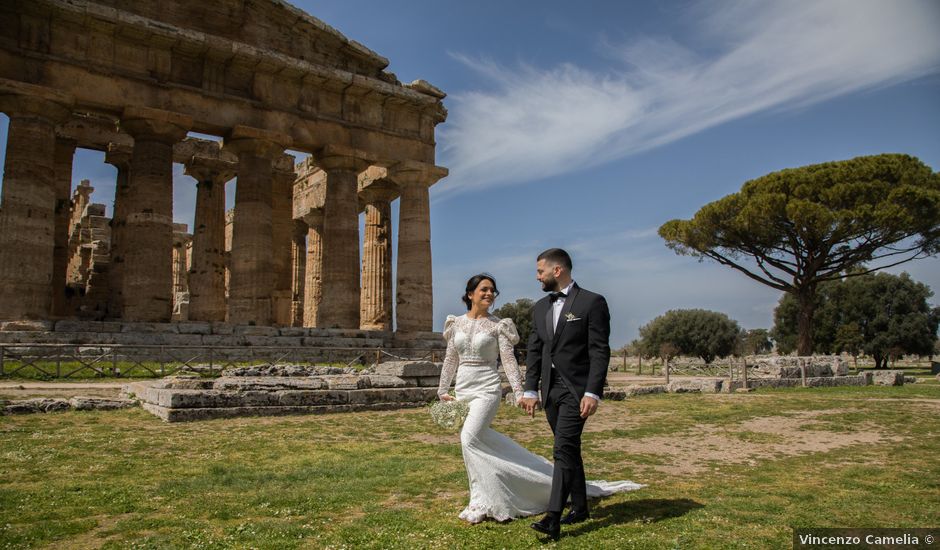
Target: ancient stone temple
x,y
133,79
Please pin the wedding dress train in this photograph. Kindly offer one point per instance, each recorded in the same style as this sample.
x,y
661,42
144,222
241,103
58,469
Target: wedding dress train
x,y
506,479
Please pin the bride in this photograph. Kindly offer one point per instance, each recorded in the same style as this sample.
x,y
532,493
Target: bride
x,y
506,480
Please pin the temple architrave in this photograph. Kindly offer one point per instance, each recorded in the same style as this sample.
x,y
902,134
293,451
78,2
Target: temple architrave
x,y
135,80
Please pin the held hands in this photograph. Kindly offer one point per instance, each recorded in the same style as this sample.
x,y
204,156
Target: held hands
x,y
528,403
446,397
588,406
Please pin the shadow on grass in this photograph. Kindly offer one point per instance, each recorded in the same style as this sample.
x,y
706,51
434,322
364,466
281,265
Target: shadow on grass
x,y
646,510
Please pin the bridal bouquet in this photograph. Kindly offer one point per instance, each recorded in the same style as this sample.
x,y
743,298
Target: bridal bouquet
x,y
450,414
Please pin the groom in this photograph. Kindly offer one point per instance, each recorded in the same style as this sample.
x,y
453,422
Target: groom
x,y
567,358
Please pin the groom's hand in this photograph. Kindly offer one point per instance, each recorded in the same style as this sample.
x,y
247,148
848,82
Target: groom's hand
x,y
528,403
588,406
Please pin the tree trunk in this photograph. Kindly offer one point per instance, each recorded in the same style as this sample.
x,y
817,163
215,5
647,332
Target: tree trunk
x,y
806,297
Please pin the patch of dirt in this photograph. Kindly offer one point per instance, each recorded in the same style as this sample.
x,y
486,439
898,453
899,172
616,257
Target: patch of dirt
x,y
920,401
695,451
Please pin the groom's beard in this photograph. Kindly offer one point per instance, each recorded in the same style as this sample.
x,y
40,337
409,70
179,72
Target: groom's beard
x,y
550,285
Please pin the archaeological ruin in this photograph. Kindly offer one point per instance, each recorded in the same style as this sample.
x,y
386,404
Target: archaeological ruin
x,y
134,80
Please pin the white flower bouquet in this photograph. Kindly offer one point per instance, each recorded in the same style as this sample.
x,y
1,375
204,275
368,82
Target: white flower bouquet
x,y
450,414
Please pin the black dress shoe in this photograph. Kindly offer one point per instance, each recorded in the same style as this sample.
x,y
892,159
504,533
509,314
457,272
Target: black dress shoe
x,y
549,526
574,516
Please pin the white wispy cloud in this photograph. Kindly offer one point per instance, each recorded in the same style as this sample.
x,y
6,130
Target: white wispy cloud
x,y
748,57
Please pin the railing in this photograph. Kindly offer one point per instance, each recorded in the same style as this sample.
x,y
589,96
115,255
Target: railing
x,y
116,360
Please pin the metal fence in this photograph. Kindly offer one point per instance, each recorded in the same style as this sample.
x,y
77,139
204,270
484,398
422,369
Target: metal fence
x,y
113,360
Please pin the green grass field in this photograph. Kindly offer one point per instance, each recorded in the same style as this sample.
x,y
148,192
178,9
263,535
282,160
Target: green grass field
x,y
734,471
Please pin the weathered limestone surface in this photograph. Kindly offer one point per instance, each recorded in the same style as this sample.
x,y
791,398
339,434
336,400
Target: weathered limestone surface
x,y
27,212
78,403
64,153
888,377
414,307
282,232
376,301
340,291
207,272
147,242
252,260
182,398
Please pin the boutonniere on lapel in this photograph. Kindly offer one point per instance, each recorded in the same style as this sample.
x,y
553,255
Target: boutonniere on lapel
x,y
570,317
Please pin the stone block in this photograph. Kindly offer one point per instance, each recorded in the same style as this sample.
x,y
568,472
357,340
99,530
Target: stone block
x,y
294,331
312,397
869,379
31,326
385,381
429,381
392,395
81,403
695,385
888,377
257,340
194,327
67,325
342,382
222,328
249,330
154,328
409,369
223,340
38,405
189,399
644,390
267,383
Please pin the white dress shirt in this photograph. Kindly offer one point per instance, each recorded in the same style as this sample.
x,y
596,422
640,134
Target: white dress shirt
x,y
557,306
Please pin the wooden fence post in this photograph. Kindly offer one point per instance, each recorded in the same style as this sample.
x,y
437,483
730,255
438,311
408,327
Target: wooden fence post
x,y
744,373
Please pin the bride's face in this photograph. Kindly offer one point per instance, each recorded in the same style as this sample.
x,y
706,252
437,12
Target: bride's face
x,y
483,295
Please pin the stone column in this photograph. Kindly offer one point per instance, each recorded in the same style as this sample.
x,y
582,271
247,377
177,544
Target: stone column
x,y
339,303
376,303
282,229
298,271
414,305
28,210
64,153
118,156
313,280
207,273
252,262
147,242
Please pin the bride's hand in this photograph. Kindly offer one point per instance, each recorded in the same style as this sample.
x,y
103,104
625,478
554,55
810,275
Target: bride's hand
x,y
446,397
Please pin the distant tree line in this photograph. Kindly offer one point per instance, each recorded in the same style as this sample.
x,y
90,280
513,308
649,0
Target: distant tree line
x,y
876,314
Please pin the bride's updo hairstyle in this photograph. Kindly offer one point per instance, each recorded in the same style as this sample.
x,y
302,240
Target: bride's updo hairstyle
x,y
472,285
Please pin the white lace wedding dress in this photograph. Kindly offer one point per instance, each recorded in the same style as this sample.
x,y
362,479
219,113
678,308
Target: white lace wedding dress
x,y
506,480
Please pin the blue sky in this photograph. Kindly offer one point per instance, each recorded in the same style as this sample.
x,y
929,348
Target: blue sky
x,y
587,126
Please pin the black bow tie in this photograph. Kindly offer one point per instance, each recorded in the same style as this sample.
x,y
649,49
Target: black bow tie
x,y
556,295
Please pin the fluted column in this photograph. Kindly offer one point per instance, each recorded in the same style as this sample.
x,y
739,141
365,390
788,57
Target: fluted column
x,y
118,156
313,280
282,228
252,261
64,154
28,208
339,303
298,269
376,302
414,303
207,271
147,279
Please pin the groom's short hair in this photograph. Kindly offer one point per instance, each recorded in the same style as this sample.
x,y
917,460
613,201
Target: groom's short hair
x,y
556,256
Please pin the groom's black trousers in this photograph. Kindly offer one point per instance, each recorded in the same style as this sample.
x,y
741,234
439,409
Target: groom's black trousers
x,y
563,409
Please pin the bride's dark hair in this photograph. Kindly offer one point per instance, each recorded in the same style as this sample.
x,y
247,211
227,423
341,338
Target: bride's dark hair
x,y
472,285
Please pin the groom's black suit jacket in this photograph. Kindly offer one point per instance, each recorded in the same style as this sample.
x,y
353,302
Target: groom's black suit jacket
x,y
579,346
